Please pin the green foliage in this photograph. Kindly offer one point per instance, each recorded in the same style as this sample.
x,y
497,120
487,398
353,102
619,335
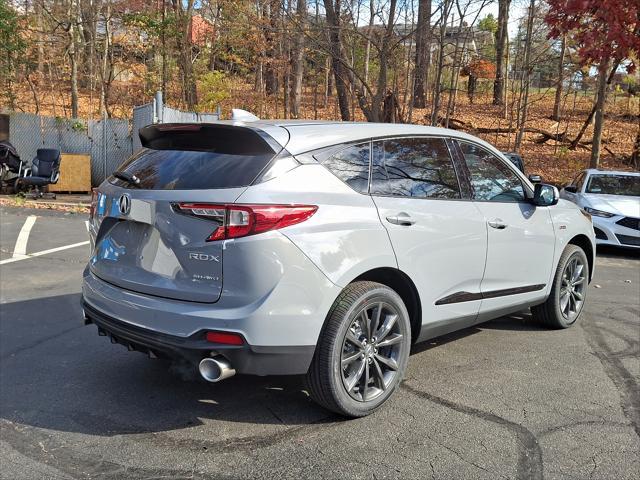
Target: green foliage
x,y
488,24
152,23
12,48
214,89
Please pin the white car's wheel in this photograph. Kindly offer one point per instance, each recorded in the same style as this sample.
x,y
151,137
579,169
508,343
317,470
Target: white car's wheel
x,y
568,293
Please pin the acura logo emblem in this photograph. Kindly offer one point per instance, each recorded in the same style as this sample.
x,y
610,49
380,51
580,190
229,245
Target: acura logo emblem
x,y
124,204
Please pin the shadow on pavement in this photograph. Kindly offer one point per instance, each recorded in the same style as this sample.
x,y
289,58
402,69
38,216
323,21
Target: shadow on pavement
x,y
60,375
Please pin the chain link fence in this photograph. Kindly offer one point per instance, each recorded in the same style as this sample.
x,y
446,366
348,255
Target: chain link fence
x,y
108,141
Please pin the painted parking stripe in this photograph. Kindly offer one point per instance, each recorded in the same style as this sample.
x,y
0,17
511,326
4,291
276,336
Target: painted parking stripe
x,y
43,252
20,250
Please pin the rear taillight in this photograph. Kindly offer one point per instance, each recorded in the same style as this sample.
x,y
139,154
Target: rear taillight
x,y
235,221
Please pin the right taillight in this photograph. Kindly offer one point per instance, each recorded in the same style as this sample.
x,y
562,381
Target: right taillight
x,y
235,221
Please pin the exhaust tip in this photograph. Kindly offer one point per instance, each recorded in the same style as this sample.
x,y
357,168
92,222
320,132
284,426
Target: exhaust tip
x,y
215,369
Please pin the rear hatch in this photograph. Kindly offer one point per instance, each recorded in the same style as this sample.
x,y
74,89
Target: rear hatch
x,y
151,236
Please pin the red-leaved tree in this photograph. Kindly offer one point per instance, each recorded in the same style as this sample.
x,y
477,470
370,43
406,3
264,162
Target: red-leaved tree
x,y
606,33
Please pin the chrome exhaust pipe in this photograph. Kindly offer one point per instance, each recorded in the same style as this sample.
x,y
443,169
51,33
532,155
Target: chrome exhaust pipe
x,y
215,369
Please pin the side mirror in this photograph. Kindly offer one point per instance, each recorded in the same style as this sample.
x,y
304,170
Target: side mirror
x,y
535,178
571,189
545,195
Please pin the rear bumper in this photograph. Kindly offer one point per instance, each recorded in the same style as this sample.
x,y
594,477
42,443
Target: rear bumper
x,y
274,296
246,359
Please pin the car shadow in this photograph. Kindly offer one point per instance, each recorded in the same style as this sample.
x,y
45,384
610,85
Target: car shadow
x,y
610,251
60,375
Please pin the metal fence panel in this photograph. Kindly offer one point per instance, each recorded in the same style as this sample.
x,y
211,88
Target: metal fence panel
x,y
109,142
142,116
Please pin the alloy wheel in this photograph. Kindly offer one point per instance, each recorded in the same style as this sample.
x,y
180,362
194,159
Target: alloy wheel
x,y
371,350
572,288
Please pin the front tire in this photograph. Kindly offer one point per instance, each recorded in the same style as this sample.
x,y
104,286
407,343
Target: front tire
x,y
362,351
568,293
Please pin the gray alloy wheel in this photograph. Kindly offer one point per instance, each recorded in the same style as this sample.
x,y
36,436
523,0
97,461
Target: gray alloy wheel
x,y
371,348
362,352
568,292
572,290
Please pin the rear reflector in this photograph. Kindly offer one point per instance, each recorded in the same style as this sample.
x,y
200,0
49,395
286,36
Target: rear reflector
x,y
225,338
235,221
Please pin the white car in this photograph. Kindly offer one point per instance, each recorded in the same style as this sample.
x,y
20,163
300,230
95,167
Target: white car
x,y
613,200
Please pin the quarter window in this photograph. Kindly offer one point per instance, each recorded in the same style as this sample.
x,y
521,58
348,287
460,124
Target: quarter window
x,y
351,165
413,167
491,179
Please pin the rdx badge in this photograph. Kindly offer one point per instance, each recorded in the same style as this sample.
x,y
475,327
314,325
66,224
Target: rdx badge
x,y
203,257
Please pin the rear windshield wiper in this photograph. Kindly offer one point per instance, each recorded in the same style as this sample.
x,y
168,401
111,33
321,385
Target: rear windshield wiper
x,y
127,177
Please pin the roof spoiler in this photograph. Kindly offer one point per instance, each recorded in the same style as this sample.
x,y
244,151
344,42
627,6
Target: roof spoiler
x,y
208,137
239,115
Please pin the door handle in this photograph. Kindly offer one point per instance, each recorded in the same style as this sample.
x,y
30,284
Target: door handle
x,y
401,219
497,223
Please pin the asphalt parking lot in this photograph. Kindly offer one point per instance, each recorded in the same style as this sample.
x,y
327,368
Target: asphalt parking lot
x,y
507,399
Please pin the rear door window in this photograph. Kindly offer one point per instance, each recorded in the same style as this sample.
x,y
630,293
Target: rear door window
x,y
413,167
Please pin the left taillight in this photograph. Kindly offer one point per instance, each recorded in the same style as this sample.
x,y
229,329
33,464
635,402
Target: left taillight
x,y
235,221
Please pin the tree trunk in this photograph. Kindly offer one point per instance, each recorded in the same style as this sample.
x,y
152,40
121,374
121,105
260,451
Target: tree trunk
x,y
270,72
73,57
589,119
559,83
184,12
635,153
599,114
337,57
524,110
423,53
367,49
377,103
297,58
105,73
501,42
446,9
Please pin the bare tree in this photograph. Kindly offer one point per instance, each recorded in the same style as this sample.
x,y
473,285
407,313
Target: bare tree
x,y
524,107
423,53
338,61
435,110
501,44
297,57
557,104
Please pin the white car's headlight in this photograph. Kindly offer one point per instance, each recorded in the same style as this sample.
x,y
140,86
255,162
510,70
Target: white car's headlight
x,y
598,213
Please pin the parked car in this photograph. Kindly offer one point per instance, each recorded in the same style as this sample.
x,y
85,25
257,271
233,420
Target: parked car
x,y
613,199
324,249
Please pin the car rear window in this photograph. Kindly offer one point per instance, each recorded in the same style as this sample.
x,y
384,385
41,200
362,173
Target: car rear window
x,y
197,157
188,170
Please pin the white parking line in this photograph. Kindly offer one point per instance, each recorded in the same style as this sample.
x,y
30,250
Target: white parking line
x,y
20,250
43,252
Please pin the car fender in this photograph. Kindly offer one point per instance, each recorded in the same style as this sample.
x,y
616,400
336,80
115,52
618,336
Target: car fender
x,y
569,222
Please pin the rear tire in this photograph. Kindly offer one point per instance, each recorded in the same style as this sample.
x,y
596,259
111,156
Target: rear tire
x,y
568,292
362,351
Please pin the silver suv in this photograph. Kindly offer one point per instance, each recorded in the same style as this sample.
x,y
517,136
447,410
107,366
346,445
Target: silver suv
x,y
324,249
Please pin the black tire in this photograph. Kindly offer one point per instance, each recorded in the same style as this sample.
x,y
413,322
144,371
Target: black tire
x,y
550,313
327,378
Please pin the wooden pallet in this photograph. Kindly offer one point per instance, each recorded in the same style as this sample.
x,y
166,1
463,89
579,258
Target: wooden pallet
x,y
75,174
